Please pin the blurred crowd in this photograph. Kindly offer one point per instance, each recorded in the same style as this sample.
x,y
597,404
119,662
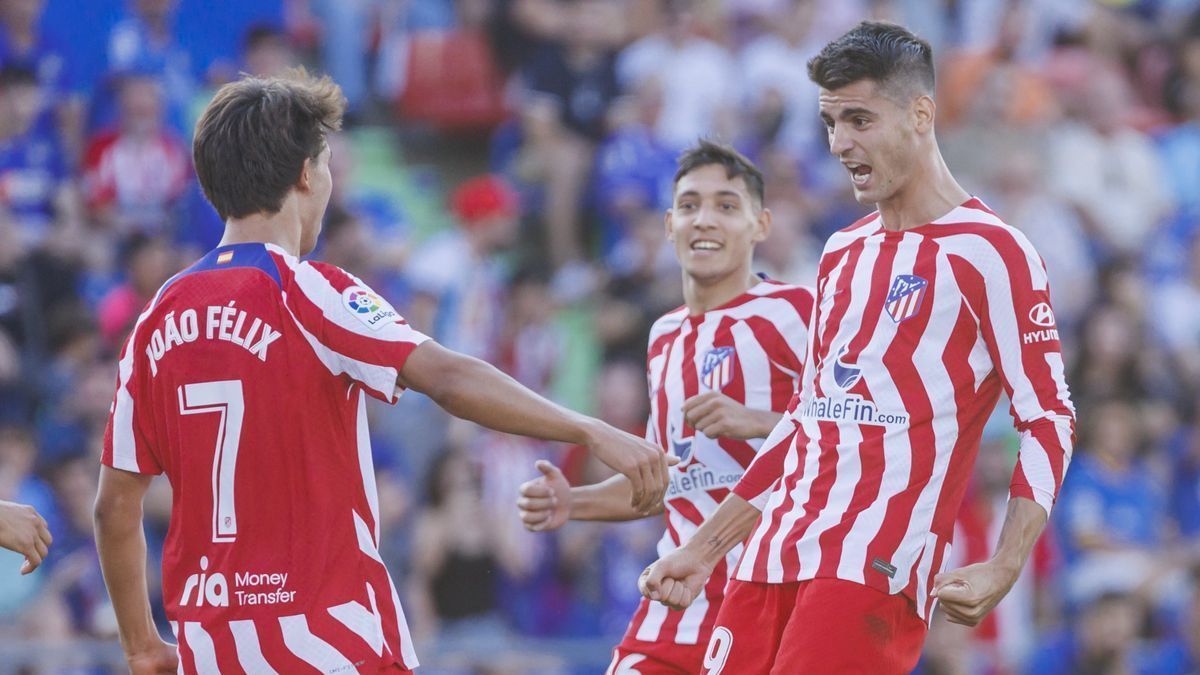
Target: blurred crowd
x,y
502,178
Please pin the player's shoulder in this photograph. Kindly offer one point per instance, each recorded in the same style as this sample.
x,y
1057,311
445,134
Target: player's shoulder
x,y
668,323
798,296
856,231
972,229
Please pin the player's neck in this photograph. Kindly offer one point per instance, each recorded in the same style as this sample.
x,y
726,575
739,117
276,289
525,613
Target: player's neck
x,y
700,296
282,229
931,193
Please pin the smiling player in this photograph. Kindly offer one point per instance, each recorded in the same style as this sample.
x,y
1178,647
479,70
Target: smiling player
x,y
721,372
926,310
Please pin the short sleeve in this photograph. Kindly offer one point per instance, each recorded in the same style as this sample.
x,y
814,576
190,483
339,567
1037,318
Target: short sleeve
x,y
353,331
126,446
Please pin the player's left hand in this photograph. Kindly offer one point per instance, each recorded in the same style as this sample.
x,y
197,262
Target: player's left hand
x,y
545,502
967,594
160,658
717,416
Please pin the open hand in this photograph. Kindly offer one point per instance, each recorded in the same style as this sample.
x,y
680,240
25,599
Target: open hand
x,y
545,501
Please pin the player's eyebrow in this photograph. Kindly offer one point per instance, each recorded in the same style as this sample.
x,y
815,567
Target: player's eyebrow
x,y
719,193
847,113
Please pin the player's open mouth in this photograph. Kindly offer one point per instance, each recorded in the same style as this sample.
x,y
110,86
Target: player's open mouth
x,y
707,245
859,173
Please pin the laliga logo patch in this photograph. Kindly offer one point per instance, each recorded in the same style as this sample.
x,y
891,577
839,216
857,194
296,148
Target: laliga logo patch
x,y
1042,315
367,307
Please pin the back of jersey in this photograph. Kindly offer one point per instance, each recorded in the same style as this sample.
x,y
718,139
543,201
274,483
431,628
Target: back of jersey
x,y
244,381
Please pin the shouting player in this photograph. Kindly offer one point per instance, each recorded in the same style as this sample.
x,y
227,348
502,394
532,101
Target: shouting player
x,y
245,381
721,372
926,310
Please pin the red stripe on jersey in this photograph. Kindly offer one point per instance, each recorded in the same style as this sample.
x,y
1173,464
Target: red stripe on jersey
x,y
276,651
970,429
898,359
740,451
691,381
225,647
843,290
786,484
818,496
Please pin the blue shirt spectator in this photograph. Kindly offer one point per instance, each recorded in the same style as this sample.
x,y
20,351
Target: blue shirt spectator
x,y
33,167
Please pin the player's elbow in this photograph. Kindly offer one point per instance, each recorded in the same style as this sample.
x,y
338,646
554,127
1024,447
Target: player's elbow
x,y
114,512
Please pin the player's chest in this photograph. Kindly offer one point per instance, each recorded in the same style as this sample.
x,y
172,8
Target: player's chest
x,y
726,355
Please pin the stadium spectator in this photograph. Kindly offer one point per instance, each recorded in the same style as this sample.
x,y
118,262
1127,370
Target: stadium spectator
x,y
149,262
569,86
459,282
267,51
26,43
698,77
1102,639
36,188
147,41
136,174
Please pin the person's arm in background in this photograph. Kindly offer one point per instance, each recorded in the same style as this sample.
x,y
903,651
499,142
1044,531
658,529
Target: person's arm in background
x,y
121,544
1004,281
429,552
24,531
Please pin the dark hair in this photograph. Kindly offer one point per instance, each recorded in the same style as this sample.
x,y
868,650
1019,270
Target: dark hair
x,y
261,34
899,61
12,75
253,138
736,165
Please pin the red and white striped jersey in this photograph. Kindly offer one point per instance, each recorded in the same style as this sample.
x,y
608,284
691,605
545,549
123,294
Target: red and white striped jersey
x,y
914,335
245,380
750,349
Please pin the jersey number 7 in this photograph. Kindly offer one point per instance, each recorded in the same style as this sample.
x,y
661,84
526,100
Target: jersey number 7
x,y
223,398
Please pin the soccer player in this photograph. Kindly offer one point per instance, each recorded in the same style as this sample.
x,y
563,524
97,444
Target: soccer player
x,y
926,310
245,380
24,531
721,370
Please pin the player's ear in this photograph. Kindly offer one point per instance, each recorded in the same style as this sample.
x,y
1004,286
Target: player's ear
x,y
669,223
923,112
305,175
762,225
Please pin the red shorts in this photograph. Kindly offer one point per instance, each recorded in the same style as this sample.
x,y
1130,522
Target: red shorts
x,y
635,657
817,626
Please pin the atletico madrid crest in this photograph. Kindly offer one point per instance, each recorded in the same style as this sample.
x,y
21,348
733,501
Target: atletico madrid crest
x,y
905,296
717,370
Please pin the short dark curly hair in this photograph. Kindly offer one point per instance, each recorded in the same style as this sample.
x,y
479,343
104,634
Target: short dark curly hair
x,y
736,165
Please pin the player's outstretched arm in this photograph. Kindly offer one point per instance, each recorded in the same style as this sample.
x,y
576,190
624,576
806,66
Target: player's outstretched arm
x,y
969,593
677,578
473,390
548,501
24,531
718,416
122,547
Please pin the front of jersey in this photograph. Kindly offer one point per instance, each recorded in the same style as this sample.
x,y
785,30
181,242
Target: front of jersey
x,y
914,337
751,350
244,381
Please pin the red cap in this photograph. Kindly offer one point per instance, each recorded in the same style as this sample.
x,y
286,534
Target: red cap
x,y
484,197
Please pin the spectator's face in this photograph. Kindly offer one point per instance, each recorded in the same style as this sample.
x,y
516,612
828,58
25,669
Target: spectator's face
x,y
1109,627
1116,430
20,104
141,106
21,12
151,267
622,395
875,138
270,58
314,198
715,224
155,10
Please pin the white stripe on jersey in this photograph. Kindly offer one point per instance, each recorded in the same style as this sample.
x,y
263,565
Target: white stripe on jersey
x,y
249,651
311,649
378,378
361,622
201,644
366,465
366,544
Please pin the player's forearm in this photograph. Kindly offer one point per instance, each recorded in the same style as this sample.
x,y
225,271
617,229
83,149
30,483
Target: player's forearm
x,y
1023,524
476,391
764,422
606,501
727,527
121,544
